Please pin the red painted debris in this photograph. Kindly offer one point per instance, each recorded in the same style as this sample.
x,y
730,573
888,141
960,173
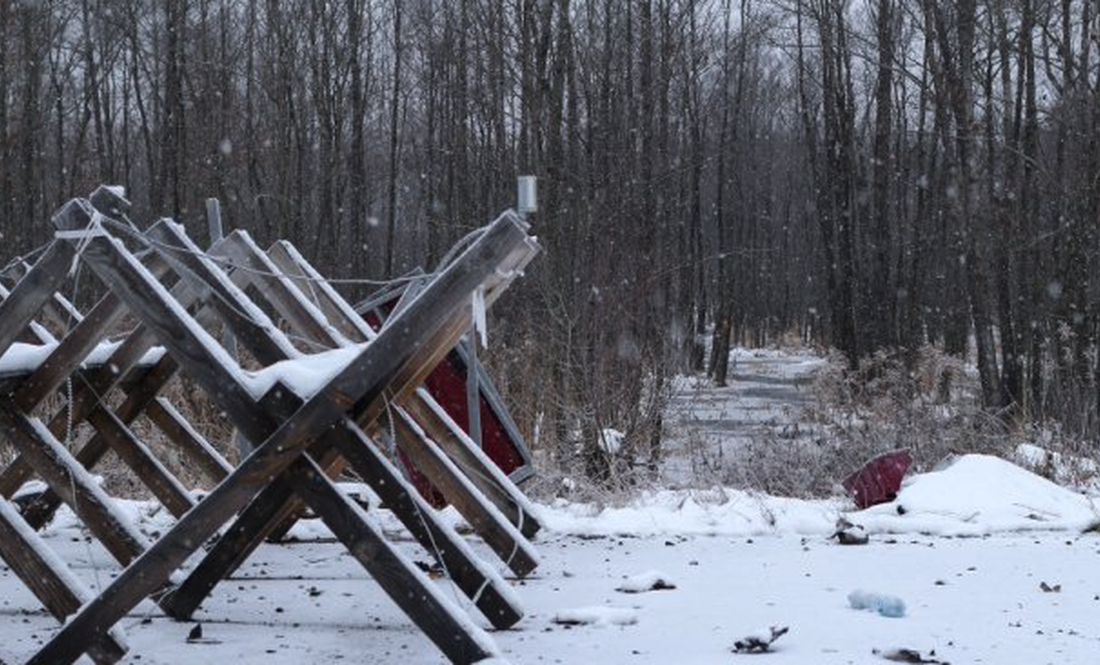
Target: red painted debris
x,y
879,480
447,384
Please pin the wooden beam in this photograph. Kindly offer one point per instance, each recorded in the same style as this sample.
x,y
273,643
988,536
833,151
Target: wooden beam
x,y
254,268
193,445
68,479
236,544
134,453
465,454
488,591
50,580
508,542
38,286
57,309
308,281
250,325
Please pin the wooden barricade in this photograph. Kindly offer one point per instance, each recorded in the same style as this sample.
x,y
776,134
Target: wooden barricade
x,y
303,435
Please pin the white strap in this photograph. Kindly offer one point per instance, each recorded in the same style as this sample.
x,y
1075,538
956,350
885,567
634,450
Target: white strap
x,y
94,229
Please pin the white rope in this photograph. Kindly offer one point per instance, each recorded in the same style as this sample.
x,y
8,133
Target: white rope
x,y
70,407
226,263
93,230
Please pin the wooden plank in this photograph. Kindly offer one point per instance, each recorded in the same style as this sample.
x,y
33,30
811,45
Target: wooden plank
x,y
309,282
481,584
34,333
50,580
192,444
398,356
37,287
482,472
134,453
494,528
68,479
444,623
250,325
58,309
256,269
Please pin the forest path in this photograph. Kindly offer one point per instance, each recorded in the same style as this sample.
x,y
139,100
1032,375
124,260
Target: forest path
x,y
765,398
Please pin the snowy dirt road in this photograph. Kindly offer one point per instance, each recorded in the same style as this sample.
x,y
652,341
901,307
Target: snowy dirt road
x,y
764,399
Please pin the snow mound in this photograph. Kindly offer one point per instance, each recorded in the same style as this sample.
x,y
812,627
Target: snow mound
x,y
718,512
651,580
977,495
597,615
974,495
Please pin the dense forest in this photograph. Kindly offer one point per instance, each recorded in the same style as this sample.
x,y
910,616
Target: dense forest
x,y
871,175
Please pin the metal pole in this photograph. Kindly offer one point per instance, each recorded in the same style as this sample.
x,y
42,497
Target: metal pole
x,y
473,390
214,224
526,202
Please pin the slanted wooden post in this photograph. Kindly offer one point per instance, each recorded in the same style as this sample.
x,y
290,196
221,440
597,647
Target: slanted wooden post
x,y
33,291
51,581
217,233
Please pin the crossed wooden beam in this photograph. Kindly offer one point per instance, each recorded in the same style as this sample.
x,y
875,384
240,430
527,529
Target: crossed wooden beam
x,y
301,441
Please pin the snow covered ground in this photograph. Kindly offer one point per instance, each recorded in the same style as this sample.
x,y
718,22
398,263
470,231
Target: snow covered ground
x,y
971,599
992,563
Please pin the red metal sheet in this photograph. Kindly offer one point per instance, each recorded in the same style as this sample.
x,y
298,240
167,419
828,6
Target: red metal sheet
x,y
879,480
447,384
